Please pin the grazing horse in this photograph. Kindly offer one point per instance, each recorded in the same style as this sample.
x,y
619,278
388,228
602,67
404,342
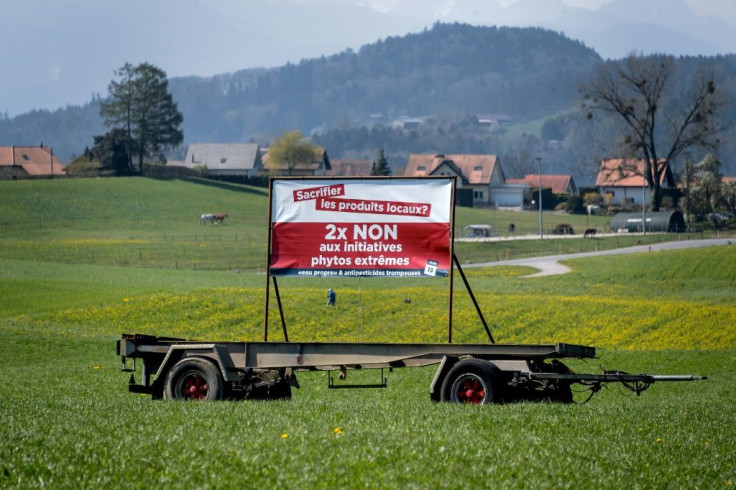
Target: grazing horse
x,y
590,232
220,217
206,218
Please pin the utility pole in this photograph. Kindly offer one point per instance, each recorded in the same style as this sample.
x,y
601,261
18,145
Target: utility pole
x,y
539,175
643,206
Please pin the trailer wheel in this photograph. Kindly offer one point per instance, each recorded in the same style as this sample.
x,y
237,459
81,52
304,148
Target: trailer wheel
x,y
194,378
280,391
472,381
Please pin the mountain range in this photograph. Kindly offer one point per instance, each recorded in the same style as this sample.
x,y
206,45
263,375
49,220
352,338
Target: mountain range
x,y
418,93
54,54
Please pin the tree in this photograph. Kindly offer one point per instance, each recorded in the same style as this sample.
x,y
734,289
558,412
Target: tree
x,y
729,197
381,167
111,150
657,128
139,103
707,190
290,150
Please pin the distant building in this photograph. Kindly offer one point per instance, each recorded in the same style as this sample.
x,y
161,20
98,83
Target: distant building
x,y
493,120
622,181
18,162
560,184
224,158
480,174
350,168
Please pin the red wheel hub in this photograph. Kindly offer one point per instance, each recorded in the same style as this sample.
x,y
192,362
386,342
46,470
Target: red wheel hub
x,y
471,391
194,387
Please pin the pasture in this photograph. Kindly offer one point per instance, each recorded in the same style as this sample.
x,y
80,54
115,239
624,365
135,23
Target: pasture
x,y
68,420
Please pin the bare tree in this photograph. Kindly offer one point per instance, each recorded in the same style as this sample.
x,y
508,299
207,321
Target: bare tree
x,y
657,128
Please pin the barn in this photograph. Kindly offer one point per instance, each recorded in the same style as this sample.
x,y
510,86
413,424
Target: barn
x,y
668,221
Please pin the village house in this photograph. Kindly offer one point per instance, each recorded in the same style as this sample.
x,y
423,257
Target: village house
x,y
559,184
19,162
241,159
480,174
622,181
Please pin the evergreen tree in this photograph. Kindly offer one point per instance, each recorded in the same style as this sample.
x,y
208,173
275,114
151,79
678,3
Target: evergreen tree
x,y
381,166
140,104
110,149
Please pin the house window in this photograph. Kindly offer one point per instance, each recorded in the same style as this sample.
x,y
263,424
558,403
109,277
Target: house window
x,y
477,168
223,160
421,167
478,195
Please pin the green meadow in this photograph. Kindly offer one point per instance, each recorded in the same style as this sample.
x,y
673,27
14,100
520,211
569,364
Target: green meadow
x,y
82,261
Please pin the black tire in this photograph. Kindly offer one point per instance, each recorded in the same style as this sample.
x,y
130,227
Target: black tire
x,y
563,393
473,381
280,391
194,378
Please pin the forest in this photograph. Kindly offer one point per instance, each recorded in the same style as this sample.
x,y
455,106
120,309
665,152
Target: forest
x,y
514,92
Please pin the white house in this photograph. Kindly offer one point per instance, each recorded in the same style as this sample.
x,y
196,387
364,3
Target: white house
x,y
622,181
225,158
480,173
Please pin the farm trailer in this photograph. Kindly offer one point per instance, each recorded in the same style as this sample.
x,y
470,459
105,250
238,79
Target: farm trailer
x,y
401,227
178,369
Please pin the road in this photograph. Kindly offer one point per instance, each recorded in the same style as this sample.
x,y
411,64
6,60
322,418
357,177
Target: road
x,y
551,265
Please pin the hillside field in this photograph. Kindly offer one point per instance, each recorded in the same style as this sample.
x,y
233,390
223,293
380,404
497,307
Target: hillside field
x,y
75,273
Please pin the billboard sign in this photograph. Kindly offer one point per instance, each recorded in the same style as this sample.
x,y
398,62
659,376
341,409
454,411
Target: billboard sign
x,y
367,227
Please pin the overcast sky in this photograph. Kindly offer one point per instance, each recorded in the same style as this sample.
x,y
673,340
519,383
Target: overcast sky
x,y
59,52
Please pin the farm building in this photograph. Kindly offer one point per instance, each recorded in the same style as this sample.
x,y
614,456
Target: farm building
x,y
21,162
668,221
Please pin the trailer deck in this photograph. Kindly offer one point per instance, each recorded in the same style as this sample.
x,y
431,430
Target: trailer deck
x,y
479,373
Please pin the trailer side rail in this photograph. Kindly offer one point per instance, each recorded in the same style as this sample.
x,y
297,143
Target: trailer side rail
x,y
328,355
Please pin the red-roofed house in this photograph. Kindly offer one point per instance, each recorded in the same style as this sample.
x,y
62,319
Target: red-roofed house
x,y
480,173
560,184
622,180
350,168
24,161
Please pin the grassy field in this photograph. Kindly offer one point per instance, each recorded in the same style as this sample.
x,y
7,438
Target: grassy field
x,y
68,420
144,223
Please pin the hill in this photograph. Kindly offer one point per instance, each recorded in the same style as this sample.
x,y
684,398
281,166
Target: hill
x,y
353,103
447,70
